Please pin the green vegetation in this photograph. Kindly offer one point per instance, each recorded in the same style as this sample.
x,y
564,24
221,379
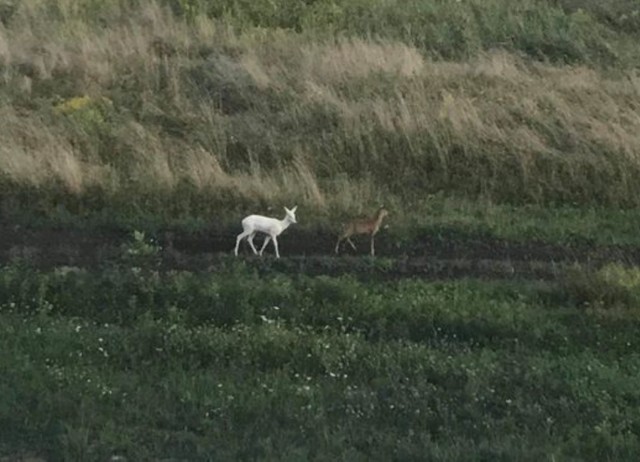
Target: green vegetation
x,y
235,365
610,287
471,120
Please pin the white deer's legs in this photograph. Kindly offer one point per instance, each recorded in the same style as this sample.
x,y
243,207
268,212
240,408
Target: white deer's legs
x,y
266,241
373,251
241,236
250,241
250,235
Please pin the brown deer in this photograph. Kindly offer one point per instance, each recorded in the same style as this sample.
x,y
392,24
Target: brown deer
x,y
362,226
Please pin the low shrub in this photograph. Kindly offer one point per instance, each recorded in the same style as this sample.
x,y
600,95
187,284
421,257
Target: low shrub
x,y
610,286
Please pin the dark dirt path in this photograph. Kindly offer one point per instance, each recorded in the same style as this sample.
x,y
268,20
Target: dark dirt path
x,y
446,255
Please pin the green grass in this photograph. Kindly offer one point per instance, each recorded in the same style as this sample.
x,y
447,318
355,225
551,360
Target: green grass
x,y
566,31
236,365
563,224
506,119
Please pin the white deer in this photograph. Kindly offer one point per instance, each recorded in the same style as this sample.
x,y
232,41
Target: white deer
x,y
272,227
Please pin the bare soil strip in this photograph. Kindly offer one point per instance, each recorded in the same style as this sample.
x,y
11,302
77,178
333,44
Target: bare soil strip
x,y
441,256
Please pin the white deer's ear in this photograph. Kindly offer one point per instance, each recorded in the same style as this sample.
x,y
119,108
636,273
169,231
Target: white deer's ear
x,y
287,210
294,208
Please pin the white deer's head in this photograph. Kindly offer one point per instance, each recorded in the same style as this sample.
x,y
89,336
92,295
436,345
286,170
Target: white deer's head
x,y
291,214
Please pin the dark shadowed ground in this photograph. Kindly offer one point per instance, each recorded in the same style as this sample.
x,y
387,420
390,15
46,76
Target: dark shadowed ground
x,y
446,255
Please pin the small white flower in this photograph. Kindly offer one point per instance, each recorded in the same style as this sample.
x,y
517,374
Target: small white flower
x,y
267,320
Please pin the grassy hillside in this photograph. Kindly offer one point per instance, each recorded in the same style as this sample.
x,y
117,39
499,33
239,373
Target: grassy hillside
x,y
201,108
503,135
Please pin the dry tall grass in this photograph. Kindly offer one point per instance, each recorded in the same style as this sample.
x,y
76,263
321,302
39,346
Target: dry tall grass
x,y
269,116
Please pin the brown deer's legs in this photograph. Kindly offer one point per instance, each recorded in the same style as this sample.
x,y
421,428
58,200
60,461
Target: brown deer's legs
x,y
348,239
351,242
